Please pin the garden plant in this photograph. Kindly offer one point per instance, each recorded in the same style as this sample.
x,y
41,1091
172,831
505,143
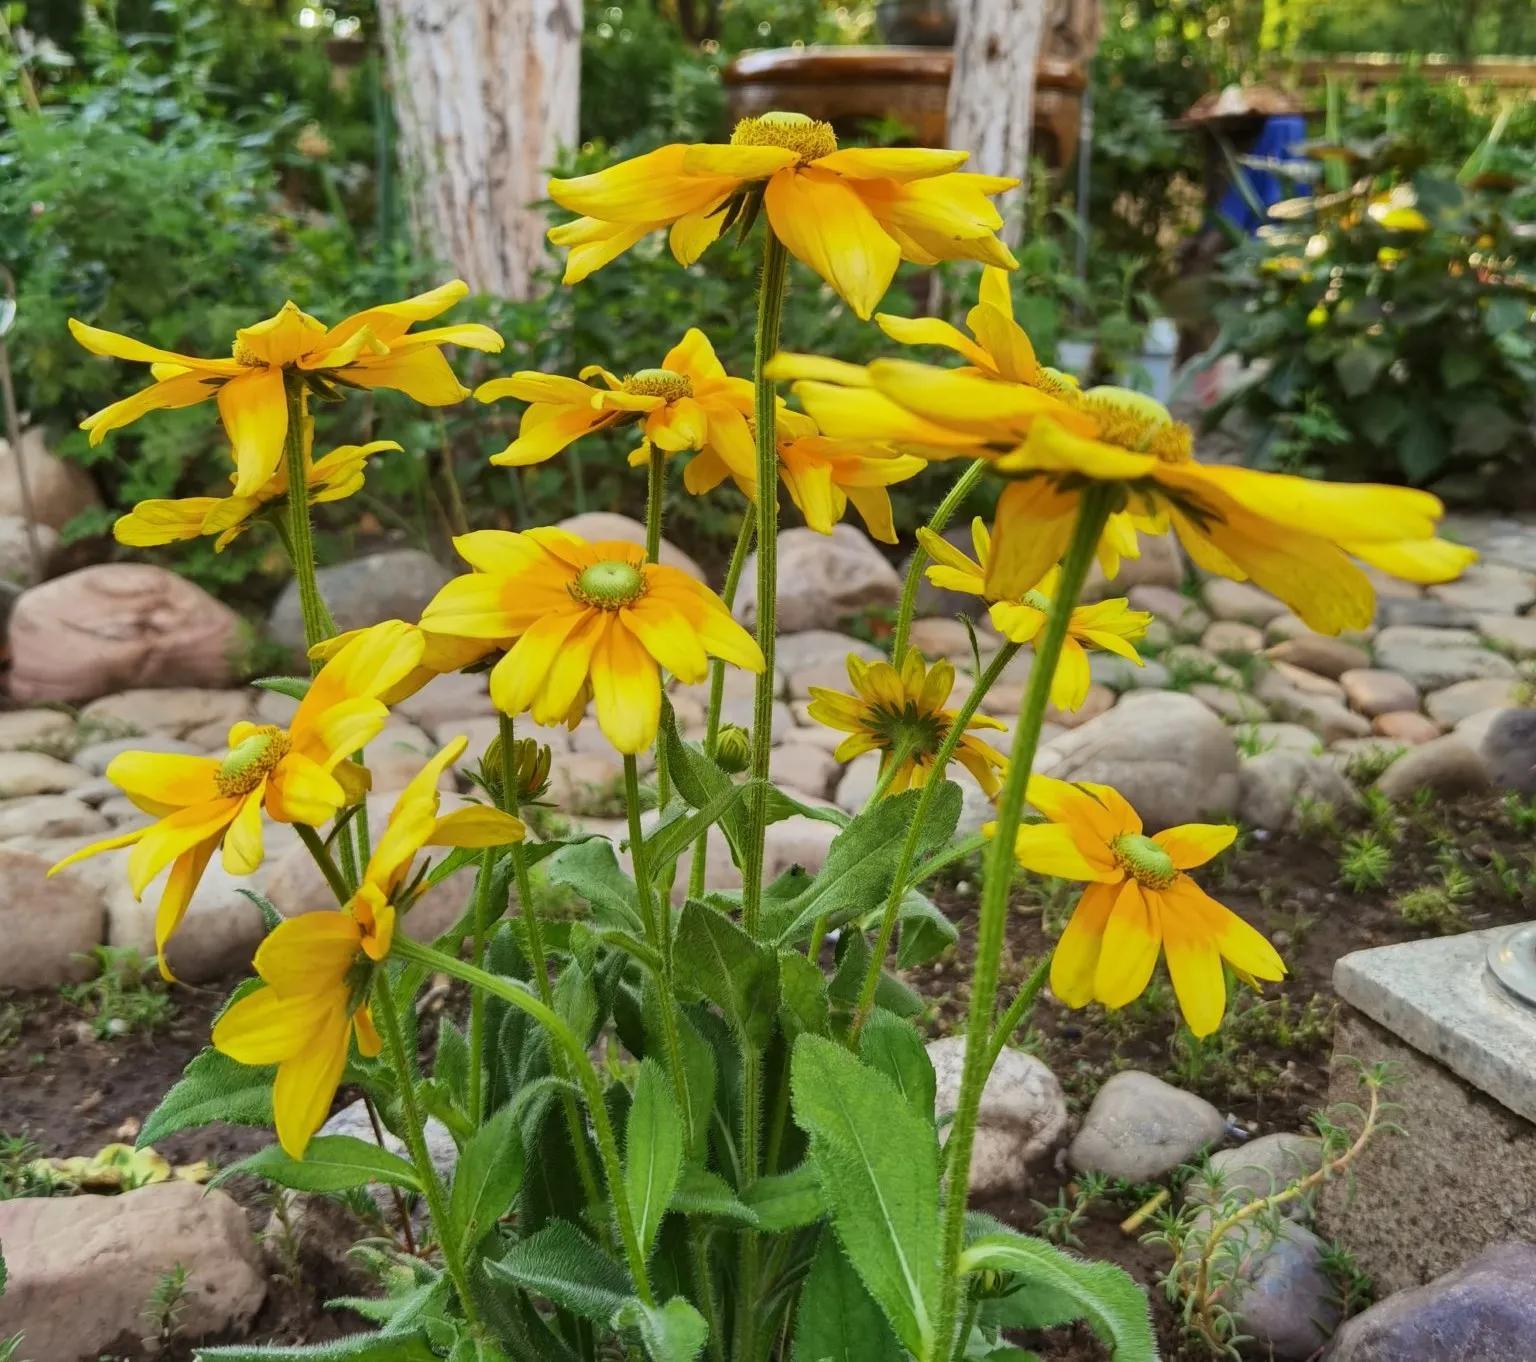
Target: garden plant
x,y
691,1122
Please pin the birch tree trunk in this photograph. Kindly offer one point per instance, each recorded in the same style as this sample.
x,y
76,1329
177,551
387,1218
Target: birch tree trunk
x,y
992,90
485,93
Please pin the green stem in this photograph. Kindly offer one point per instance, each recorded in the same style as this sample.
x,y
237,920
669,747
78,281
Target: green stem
x,y
318,624
315,845
518,995
899,885
770,307
476,998
416,1143
1093,510
1018,1009
657,917
937,523
655,486
538,955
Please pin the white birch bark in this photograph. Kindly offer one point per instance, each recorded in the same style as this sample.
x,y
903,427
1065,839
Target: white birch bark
x,y
485,94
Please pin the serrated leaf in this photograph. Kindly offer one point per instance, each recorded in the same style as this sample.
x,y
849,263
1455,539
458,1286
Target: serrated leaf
x,y
561,1264
212,1088
837,1319
893,1046
486,1178
1103,1295
331,1163
878,1164
739,975
653,1152
674,1332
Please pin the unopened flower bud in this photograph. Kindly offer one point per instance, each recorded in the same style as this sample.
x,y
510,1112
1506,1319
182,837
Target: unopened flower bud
x,y
733,749
530,770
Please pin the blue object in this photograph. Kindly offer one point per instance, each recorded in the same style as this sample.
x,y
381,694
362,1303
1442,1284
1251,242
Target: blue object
x,y
1277,141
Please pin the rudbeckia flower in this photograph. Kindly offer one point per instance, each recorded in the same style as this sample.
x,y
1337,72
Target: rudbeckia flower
x,y
689,403
588,619
1111,625
440,654
851,215
374,348
317,968
333,477
1139,901
903,715
298,774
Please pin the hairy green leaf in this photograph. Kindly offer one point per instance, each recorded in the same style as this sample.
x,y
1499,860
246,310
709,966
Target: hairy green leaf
x,y
674,1332
700,1192
331,1163
838,1320
488,1175
787,1201
739,975
653,1152
592,869
561,1264
894,1047
212,1088
353,1348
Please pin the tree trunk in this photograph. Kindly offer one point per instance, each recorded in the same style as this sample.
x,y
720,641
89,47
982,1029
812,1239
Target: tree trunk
x,y
992,90
485,93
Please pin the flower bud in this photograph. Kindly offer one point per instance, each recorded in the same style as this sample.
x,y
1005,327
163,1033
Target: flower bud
x,y
733,749
530,770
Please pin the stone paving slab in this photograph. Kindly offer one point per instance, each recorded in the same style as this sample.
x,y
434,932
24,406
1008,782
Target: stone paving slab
x,y
1438,996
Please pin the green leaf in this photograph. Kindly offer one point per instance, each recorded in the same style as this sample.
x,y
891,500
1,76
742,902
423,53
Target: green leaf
x,y
1459,368
674,1332
1505,313
294,687
354,1348
878,1162
212,1088
1104,1295
782,805
677,834
838,1320
1359,365
653,1152
803,1005
891,993
450,1067
893,1046
787,1201
698,781
488,1175
739,975
561,1264
1484,428
925,931
700,1192
861,862
1423,448
592,869
331,1163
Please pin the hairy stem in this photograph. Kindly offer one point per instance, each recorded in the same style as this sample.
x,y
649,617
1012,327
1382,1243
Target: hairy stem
x,y
299,539
937,522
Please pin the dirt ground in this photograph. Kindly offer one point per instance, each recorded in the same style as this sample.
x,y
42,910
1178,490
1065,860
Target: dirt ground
x,y
1464,866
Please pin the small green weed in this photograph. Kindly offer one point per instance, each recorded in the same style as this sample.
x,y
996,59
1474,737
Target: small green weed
x,y
1365,863
125,996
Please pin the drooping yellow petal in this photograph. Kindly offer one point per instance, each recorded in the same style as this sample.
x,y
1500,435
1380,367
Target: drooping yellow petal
x,y
933,331
307,1081
1075,961
183,390
156,522
477,826
160,782
309,954
175,834
1048,849
1425,561
626,686
242,839
891,163
653,188
1194,966
422,375
826,226
1132,938
109,343
265,1027
255,415
186,871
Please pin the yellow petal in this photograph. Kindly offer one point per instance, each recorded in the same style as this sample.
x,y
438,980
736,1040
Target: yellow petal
x,y
593,244
309,954
180,885
1193,844
159,782
156,522
1194,966
1048,849
109,343
518,678
626,685
307,1082
264,1027
176,834
282,338
545,430
184,390
736,163
891,163
113,843
1076,958
422,375
825,225
255,414
932,331
694,233
966,402
477,826
1132,937
1069,684
1239,943
301,790
1416,560
653,188
242,839
1029,535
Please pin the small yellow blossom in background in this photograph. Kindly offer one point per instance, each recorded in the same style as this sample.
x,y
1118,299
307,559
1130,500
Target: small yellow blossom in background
x,y
590,621
374,348
903,715
689,403
313,1001
1138,902
298,774
851,215
1397,210
1111,625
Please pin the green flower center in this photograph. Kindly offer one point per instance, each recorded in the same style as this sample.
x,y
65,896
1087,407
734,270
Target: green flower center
x,y
251,761
662,383
909,730
1036,601
809,138
609,585
1144,861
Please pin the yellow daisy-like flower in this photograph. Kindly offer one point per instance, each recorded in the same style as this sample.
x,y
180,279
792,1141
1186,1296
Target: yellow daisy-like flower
x,y
851,215
317,968
1139,901
1111,625
333,477
295,775
689,403
374,348
903,716
1289,535
588,619
440,654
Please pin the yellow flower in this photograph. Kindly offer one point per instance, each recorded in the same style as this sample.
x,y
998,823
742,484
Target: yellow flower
x,y
1289,535
1111,625
296,775
1397,211
902,715
850,215
374,348
690,403
333,477
317,968
589,620
440,654
1138,901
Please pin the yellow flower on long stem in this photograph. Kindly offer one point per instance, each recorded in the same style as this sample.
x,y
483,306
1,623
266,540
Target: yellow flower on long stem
x,y
1111,625
1139,901
317,968
689,403
851,215
298,774
440,654
588,619
904,716
374,348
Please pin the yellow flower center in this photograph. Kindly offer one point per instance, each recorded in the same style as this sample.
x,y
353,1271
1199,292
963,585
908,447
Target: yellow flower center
x,y
609,585
1140,432
1144,861
252,761
243,354
809,138
662,383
